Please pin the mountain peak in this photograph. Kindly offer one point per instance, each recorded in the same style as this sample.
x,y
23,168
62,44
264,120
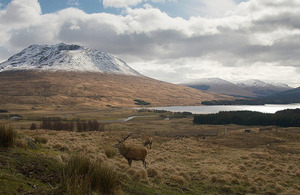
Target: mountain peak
x,y
64,57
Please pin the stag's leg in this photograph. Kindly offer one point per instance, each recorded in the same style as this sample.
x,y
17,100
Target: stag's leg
x,y
129,162
150,146
144,163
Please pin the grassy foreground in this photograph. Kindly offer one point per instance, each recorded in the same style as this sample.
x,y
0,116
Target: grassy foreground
x,y
227,161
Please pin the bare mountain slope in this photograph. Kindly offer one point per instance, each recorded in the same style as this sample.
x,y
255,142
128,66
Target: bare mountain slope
x,y
89,89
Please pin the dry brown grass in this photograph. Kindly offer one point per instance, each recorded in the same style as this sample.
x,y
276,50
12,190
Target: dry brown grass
x,y
61,90
239,163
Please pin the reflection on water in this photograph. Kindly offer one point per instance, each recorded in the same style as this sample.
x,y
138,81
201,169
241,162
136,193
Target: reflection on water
x,y
268,108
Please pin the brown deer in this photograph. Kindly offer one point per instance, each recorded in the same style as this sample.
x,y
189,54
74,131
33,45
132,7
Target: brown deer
x,y
148,142
131,153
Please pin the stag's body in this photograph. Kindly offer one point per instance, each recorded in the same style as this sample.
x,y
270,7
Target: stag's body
x,y
132,153
148,142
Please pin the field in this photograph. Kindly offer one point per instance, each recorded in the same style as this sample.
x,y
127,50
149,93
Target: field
x,y
185,158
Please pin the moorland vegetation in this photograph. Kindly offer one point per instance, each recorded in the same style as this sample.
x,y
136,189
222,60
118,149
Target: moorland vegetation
x,y
45,161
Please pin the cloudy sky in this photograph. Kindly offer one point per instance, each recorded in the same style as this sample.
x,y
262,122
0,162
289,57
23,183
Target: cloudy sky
x,y
170,40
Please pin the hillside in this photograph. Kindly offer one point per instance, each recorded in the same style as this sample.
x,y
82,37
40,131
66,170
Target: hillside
x,y
36,89
289,96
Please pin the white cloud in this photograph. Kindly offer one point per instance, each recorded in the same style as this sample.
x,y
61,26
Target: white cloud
x,y
20,12
251,40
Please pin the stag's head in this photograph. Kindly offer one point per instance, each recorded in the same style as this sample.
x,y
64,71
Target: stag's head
x,y
120,144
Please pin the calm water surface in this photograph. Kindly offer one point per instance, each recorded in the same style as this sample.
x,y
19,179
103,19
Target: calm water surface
x,y
267,108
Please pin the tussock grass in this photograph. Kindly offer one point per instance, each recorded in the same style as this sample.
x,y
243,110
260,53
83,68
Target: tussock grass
x,y
7,136
41,140
137,174
110,152
82,176
178,179
21,143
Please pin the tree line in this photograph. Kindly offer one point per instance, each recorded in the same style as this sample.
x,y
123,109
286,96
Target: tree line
x,y
59,124
284,118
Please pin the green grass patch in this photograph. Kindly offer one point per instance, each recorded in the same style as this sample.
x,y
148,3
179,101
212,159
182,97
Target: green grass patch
x,y
22,171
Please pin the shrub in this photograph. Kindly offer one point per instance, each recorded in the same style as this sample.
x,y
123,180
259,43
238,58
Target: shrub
x,y
7,136
141,102
56,124
46,124
89,126
81,176
33,126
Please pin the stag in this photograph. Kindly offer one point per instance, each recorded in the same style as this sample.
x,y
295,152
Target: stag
x,y
148,142
131,153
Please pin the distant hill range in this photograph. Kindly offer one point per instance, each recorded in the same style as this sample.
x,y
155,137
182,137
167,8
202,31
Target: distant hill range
x,y
285,97
246,89
71,76
289,96
220,86
262,89
251,92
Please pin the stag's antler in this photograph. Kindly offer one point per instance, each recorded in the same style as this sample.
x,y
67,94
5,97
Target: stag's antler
x,y
127,137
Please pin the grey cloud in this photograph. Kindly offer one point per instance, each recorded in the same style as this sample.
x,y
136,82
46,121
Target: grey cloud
x,y
281,20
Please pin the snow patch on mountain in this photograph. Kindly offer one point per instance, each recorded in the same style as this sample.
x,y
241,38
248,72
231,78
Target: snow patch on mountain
x,y
219,86
63,57
262,88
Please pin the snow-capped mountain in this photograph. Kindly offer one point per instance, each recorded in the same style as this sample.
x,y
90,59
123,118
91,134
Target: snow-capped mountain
x,y
217,85
63,57
263,89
